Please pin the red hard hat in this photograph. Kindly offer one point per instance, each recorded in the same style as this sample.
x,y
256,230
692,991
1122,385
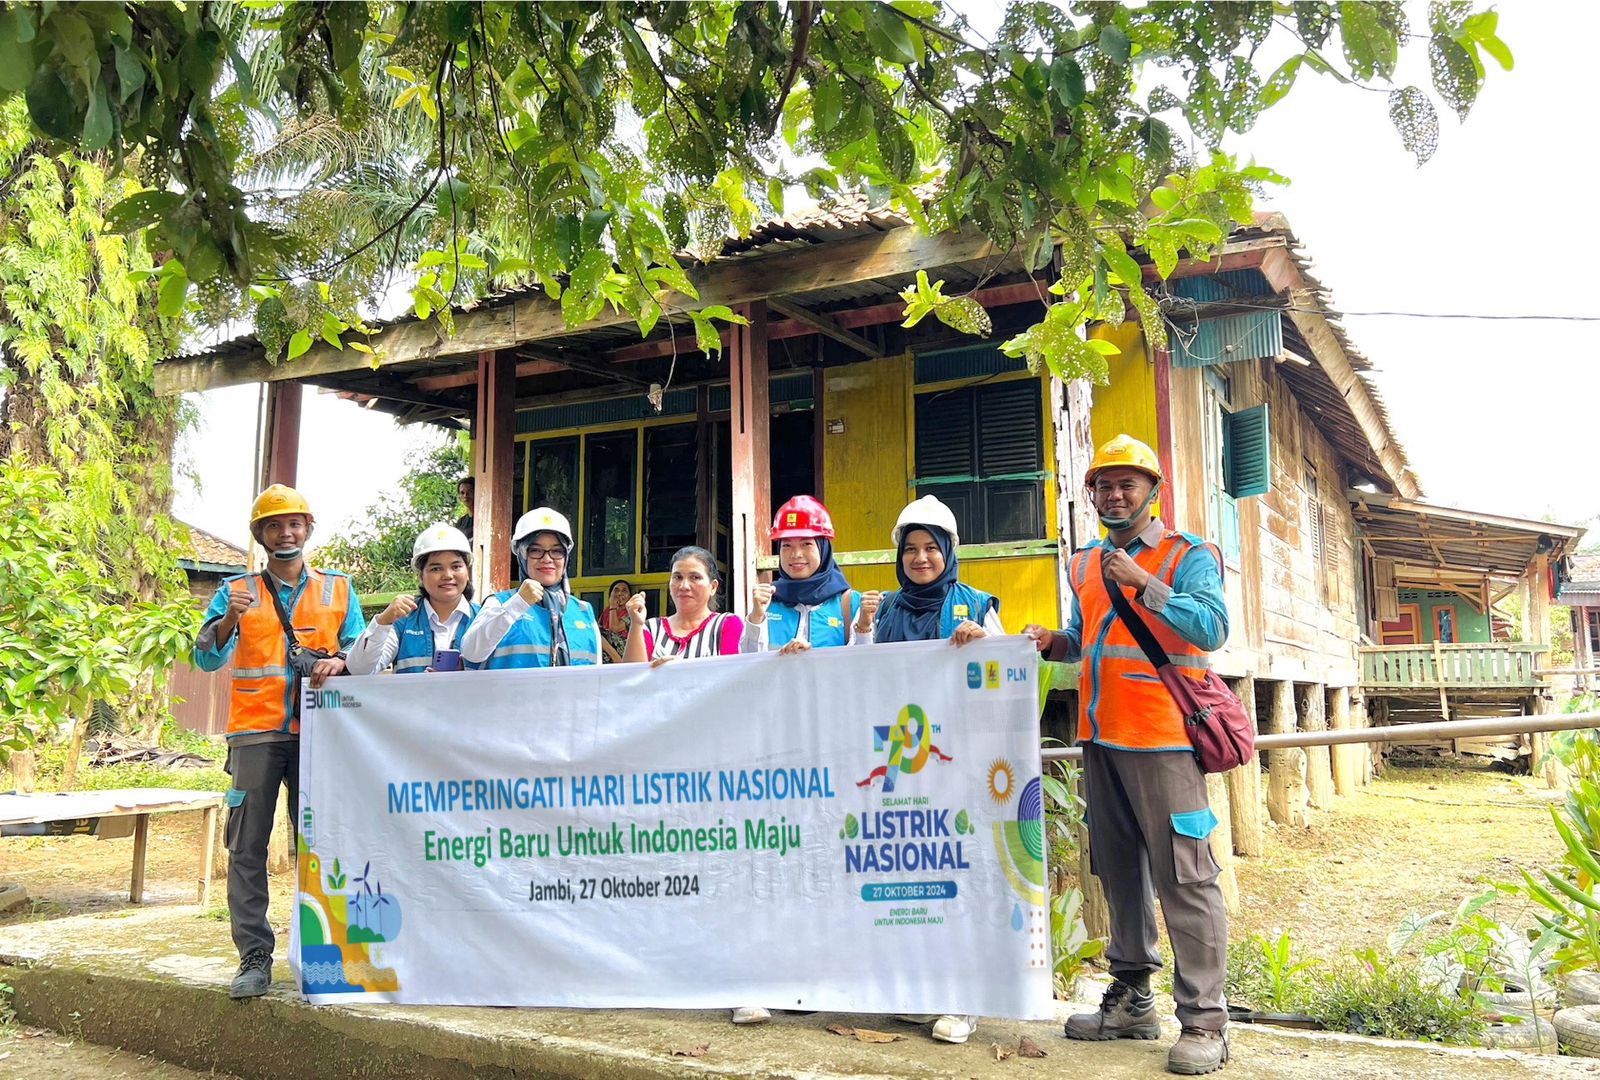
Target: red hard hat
x,y
802,516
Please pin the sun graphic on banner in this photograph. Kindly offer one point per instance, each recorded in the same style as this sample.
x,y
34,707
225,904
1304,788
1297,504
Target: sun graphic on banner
x,y
1002,781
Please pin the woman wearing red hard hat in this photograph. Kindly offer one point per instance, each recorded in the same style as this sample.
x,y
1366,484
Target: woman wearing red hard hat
x,y
811,605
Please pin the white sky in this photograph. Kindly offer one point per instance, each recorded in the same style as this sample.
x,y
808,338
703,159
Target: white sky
x,y
1496,416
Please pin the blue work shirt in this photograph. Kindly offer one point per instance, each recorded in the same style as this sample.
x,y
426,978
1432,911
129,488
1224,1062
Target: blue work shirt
x,y
209,656
1194,605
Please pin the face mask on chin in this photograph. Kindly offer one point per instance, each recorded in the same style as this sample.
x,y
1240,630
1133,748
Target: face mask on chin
x,y
287,554
1117,524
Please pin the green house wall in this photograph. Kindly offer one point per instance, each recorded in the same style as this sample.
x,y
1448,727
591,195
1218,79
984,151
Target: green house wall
x,y
1470,625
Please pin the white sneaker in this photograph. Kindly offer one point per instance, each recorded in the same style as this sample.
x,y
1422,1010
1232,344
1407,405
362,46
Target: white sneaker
x,y
751,1014
954,1029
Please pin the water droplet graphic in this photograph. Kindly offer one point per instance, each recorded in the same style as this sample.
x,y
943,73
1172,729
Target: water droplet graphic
x,y
1016,916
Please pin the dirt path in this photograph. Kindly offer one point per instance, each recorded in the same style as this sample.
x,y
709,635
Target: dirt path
x,y
1420,839
32,1053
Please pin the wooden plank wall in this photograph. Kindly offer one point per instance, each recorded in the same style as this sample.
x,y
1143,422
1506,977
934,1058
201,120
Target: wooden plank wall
x,y
1283,624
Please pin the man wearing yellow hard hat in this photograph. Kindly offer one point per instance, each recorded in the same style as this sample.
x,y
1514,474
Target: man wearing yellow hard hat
x,y
298,635
1148,811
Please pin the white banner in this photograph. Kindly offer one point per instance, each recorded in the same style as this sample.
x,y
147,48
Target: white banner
x,y
852,829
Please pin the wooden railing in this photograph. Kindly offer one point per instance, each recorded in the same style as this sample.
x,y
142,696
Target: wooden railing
x,y
1476,664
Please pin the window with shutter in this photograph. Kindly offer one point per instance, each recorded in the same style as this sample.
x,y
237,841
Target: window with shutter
x,y
1247,452
980,449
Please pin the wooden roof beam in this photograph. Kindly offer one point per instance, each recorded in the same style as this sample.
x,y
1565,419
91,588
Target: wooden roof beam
x,y
536,317
825,326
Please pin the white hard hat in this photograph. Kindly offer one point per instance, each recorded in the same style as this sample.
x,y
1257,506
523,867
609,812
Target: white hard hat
x,y
538,520
440,538
926,511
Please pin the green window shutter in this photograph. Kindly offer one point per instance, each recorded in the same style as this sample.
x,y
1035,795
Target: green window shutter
x,y
1247,452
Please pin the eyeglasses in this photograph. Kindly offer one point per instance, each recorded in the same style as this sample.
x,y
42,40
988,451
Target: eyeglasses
x,y
555,555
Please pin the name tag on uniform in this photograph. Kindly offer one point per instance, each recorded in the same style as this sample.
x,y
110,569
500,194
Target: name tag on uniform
x,y
833,620
960,611
582,625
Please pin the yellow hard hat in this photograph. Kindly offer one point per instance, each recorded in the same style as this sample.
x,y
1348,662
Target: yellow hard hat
x,y
1125,451
279,499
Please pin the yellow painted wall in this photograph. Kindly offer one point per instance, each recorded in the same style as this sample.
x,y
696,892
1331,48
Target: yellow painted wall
x,y
866,468
1127,406
868,473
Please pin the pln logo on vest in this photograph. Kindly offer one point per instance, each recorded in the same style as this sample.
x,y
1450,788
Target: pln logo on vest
x,y
326,699
909,741
985,676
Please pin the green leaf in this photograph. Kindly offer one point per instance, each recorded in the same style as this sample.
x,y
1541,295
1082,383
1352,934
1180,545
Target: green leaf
x,y
1066,81
16,55
142,210
130,73
1122,264
1279,82
1414,118
299,343
1114,44
1370,47
889,35
97,121
51,105
174,290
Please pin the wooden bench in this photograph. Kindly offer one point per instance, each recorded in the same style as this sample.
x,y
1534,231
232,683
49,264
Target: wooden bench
x,y
135,803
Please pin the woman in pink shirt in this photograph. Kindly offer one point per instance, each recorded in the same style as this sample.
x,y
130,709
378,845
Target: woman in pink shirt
x,y
696,628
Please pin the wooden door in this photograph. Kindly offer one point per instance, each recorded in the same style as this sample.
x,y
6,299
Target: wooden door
x,y
1405,629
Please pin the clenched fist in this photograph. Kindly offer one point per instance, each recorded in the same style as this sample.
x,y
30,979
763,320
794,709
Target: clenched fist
x,y
401,606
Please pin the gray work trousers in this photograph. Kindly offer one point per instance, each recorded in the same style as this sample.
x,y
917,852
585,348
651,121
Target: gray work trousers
x,y
257,771
1137,804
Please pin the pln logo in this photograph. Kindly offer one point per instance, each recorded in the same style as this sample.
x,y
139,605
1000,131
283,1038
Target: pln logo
x,y
985,676
909,742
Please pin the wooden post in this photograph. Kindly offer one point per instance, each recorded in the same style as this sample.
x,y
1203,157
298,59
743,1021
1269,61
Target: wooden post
x,y
1222,841
1363,754
1168,500
1286,778
1346,759
1539,741
282,463
1095,911
1319,761
141,844
749,425
80,730
494,443
1244,788
208,850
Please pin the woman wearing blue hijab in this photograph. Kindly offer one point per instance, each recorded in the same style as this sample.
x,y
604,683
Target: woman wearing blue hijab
x,y
811,605
932,603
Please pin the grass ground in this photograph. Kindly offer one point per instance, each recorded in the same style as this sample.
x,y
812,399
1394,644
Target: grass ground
x,y
1422,838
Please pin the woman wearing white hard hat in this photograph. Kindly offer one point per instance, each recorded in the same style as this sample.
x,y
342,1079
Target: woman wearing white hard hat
x,y
932,602
540,623
412,630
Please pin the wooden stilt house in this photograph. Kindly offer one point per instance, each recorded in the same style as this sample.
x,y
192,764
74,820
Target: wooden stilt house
x,y
1265,418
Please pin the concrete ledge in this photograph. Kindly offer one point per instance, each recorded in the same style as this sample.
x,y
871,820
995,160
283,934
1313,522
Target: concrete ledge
x,y
155,981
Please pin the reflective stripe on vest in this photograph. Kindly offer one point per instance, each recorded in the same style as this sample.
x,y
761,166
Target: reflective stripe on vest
x,y
415,634
1121,700
262,686
962,602
827,627
529,641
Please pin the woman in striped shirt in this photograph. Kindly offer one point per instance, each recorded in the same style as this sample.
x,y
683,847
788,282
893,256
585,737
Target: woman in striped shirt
x,y
696,628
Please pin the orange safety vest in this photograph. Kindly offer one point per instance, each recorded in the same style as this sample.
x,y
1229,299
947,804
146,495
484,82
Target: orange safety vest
x,y
1121,701
262,693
